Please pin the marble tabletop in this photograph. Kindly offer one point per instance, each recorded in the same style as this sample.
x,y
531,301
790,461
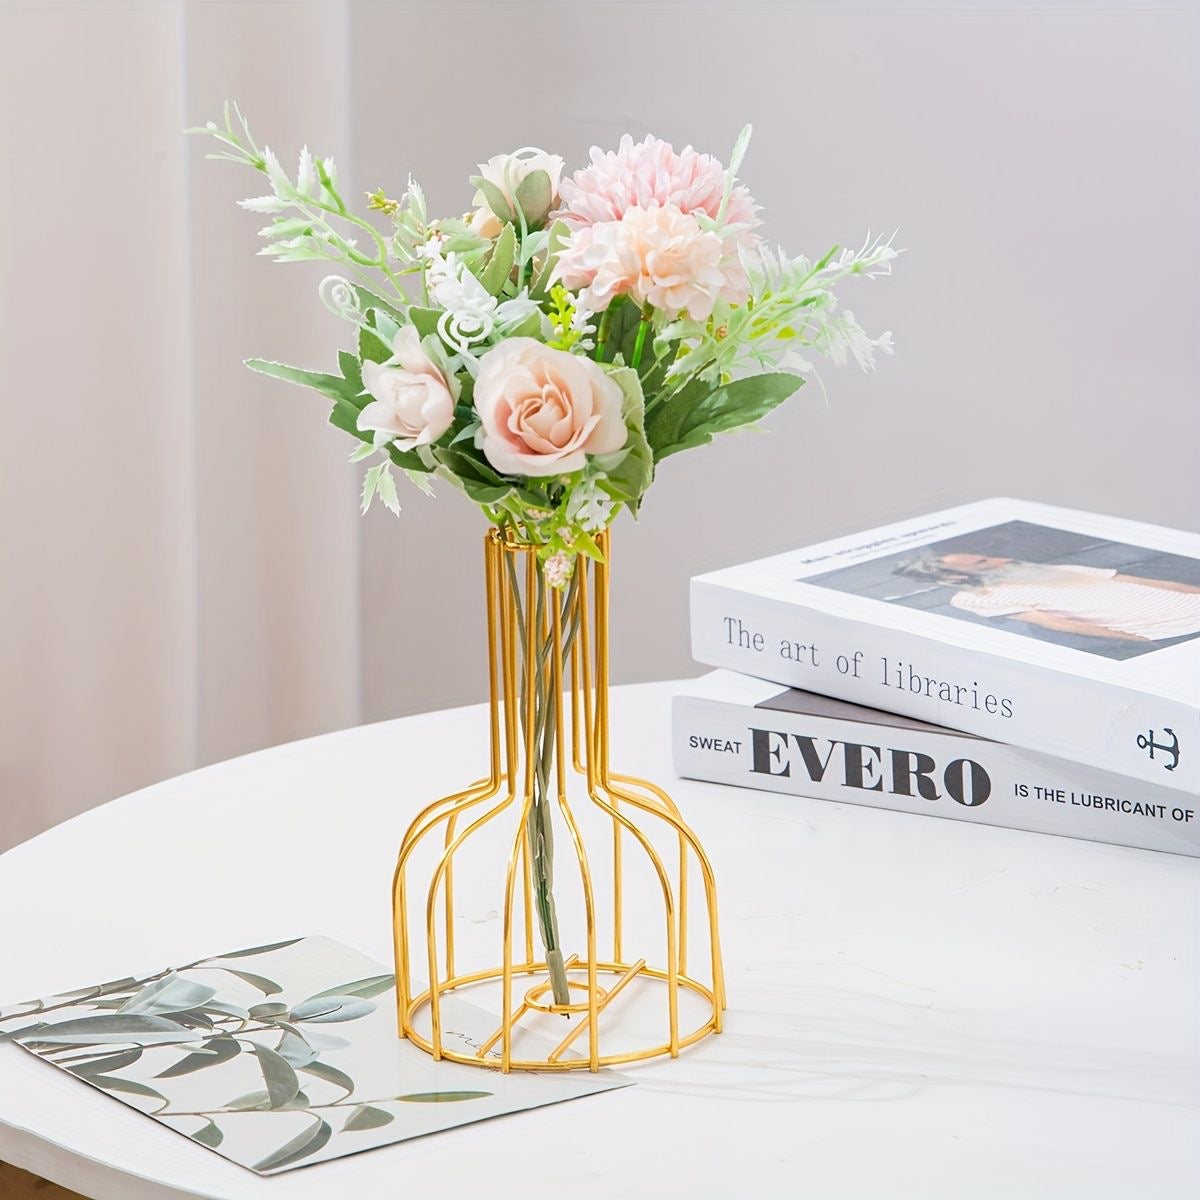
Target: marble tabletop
x,y
919,1008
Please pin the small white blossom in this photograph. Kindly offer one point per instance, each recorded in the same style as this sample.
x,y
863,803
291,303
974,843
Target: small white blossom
x,y
589,507
472,315
558,569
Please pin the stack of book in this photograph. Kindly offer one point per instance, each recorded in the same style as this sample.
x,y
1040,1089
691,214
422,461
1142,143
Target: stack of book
x,y
1003,662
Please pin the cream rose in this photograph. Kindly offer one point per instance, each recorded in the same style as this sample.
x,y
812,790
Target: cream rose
x,y
413,404
544,410
506,171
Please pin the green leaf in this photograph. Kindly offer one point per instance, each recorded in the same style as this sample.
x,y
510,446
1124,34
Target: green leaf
x,y
535,193
494,198
441,1097
261,1102
386,491
254,950
691,417
295,1050
632,474
224,1009
331,1008
328,385
209,1135
268,987
654,367
193,1018
473,475
350,368
329,1074
530,326
371,346
559,232
135,1028
302,1146
365,989
111,1083
499,266
170,994
279,1076
219,1050
106,1063
368,299
344,416
622,330
424,320
268,1011
371,486
367,1116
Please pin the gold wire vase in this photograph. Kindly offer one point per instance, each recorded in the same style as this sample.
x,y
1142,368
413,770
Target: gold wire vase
x,y
629,850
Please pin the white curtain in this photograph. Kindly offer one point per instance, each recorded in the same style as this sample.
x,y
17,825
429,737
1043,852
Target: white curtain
x,y
178,537
183,573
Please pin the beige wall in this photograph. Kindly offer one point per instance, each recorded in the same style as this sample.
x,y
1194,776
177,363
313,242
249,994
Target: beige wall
x,y
182,575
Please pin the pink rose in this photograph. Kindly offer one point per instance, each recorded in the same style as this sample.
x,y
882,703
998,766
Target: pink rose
x,y
658,255
412,404
544,410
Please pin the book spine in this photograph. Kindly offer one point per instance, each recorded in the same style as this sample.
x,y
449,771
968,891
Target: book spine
x,y
925,772
1115,729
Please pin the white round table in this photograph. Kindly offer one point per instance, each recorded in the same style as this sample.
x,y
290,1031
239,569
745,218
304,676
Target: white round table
x,y
918,1008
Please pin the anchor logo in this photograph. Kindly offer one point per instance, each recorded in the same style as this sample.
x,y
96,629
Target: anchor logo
x,y
1146,741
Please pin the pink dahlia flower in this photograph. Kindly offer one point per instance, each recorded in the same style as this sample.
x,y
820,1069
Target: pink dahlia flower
x,y
648,173
633,215
657,255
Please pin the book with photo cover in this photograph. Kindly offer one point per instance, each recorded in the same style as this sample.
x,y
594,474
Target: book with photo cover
x,y
730,728
279,1056
1069,633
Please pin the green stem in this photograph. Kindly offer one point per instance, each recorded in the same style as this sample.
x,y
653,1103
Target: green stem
x,y
539,823
638,345
602,334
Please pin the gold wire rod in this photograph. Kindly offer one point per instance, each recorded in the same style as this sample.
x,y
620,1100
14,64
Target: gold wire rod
x,y
489,974
669,807
521,1010
589,898
400,903
531,622
481,790
527,895
431,903
668,904
710,886
562,1046
448,893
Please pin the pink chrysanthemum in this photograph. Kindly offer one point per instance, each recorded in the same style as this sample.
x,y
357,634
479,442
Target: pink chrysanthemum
x,y
651,173
658,255
608,203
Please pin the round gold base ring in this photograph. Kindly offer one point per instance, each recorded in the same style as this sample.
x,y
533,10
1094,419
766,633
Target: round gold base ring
x,y
461,983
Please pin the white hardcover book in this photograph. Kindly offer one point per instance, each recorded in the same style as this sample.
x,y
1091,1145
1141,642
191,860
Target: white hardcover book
x,y
730,728
1065,632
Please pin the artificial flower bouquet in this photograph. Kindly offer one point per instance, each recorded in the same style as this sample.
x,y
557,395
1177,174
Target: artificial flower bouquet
x,y
544,352
547,349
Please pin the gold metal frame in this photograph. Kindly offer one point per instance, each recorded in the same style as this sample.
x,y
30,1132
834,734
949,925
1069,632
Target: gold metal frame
x,y
620,798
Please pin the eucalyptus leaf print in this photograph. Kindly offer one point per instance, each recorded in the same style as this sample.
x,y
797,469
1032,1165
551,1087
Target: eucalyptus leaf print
x,y
230,1052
